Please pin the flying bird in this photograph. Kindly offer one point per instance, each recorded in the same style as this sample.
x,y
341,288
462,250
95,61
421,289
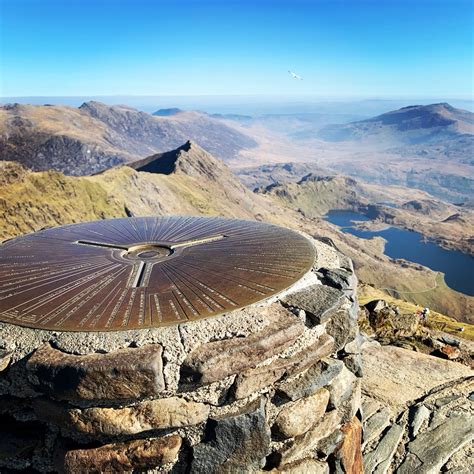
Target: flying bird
x,y
295,76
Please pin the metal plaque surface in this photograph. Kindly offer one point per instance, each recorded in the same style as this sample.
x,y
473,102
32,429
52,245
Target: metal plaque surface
x,y
131,273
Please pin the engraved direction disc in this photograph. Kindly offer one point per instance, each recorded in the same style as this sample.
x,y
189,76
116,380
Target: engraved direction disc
x,y
131,273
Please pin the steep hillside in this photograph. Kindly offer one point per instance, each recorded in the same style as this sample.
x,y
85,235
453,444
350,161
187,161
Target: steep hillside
x,y
315,195
197,183
95,136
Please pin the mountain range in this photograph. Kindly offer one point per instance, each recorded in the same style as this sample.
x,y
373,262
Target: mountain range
x,y
94,137
429,147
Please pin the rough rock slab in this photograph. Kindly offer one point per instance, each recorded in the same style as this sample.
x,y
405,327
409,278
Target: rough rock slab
x,y
233,444
163,413
395,376
125,374
305,466
296,418
343,327
354,364
349,453
123,457
341,387
5,357
319,302
375,425
369,407
338,278
216,360
378,461
253,380
316,377
421,414
354,346
309,441
431,449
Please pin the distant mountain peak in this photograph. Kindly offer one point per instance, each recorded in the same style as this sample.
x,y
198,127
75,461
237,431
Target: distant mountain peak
x,y
415,124
189,159
168,112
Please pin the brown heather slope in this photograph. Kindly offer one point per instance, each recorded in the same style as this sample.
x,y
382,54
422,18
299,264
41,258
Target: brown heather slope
x,y
94,137
197,184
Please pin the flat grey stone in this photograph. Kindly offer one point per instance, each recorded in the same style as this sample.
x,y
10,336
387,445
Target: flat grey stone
x,y
421,415
307,443
342,327
433,448
375,425
378,461
441,402
369,407
354,364
338,278
233,444
341,387
316,377
450,340
354,346
318,301
327,445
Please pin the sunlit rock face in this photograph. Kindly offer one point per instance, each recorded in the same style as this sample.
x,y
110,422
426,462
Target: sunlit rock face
x,y
274,386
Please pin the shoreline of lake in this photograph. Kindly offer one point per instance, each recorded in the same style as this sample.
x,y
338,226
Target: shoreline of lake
x,y
457,267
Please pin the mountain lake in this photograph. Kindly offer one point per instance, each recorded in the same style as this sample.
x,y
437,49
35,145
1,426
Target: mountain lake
x,y
457,267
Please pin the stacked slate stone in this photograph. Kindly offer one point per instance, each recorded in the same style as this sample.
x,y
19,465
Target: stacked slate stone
x,y
272,387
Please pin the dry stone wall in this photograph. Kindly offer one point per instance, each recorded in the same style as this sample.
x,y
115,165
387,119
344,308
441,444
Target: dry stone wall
x,y
273,387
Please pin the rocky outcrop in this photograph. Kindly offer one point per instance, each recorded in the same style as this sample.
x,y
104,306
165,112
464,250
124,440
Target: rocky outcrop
x,y
418,411
121,457
126,374
216,360
272,386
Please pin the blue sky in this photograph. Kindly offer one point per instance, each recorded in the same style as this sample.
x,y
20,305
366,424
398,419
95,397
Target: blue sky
x,y
358,48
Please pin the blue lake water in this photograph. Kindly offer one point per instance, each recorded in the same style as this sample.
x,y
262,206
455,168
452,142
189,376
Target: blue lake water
x,y
457,266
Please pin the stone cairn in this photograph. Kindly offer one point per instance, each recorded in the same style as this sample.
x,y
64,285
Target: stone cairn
x,y
272,387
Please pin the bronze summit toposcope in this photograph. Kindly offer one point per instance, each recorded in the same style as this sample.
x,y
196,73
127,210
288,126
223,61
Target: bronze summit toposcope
x,y
135,273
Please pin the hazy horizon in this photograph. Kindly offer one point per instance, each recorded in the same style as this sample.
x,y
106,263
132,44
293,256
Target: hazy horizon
x,y
258,104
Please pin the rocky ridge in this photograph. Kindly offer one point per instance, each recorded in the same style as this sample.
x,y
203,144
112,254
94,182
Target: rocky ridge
x,y
418,394
418,412
94,137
